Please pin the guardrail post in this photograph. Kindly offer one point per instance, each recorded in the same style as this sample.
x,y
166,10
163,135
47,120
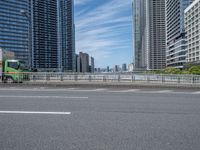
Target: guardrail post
x,y
179,79
61,77
75,77
119,78
33,77
132,78
89,78
193,80
148,79
163,79
104,78
46,76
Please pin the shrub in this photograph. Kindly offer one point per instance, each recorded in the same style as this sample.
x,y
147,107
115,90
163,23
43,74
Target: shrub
x,y
195,70
171,70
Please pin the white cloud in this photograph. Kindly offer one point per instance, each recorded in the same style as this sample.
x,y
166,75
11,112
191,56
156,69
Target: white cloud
x,y
101,31
81,2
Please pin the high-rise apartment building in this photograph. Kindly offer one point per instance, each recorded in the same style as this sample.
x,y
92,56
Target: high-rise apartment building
x,y
176,47
155,35
139,24
149,34
14,28
53,39
107,69
83,62
124,68
117,68
91,64
192,28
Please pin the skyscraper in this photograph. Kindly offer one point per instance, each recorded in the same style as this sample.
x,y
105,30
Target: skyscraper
x,y
124,68
14,27
53,40
155,41
149,34
91,64
139,23
176,47
83,62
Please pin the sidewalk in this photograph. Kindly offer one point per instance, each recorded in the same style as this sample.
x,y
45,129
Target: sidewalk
x,y
107,84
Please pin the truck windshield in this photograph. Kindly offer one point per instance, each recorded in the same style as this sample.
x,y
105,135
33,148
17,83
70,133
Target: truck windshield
x,y
13,65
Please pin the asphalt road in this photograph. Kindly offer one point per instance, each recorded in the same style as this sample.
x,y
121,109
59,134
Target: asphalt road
x,y
99,119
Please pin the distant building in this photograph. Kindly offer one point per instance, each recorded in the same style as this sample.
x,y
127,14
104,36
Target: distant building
x,y
91,65
83,62
77,63
192,28
116,68
108,69
131,67
124,68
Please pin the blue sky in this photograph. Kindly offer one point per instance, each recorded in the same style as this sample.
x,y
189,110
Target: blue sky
x,y
104,30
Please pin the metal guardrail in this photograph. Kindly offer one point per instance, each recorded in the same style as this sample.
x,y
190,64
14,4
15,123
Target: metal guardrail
x,y
123,78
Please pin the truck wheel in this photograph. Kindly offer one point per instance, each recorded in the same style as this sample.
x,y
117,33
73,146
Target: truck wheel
x,y
9,80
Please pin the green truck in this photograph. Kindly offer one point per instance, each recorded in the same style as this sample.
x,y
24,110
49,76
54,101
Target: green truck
x,y
11,70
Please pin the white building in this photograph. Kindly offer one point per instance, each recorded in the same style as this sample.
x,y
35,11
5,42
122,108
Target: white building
x,y
176,46
131,67
192,27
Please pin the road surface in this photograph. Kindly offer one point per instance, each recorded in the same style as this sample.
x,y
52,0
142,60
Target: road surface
x,y
99,119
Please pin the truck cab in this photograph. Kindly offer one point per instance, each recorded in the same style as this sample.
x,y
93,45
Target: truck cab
x,y
13,71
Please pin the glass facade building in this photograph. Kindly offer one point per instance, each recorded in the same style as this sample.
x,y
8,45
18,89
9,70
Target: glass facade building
x,y
149,34
14,28
139,24
53,40
175,33
66,35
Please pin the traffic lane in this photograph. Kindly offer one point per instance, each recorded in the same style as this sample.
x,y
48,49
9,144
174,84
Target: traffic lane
x,y
102,102
103,121
99,131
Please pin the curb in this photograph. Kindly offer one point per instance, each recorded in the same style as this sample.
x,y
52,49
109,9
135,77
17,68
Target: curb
x,y
103,85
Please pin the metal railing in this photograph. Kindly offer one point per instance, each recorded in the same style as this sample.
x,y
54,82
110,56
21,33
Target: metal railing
x,y
122,78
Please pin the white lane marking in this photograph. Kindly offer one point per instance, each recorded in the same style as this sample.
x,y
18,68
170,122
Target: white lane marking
x,y
35,112
33,89
87,90
162,91
165,91
125,91
52,90
99,89
71,88
198,92
55,97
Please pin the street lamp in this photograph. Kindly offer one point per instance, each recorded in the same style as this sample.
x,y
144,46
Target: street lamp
x,y
25,13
